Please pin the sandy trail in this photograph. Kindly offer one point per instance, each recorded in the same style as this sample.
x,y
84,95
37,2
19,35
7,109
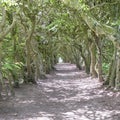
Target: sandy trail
x,y
67,94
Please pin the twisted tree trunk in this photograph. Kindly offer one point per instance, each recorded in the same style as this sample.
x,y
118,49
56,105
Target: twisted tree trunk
x,y
99,58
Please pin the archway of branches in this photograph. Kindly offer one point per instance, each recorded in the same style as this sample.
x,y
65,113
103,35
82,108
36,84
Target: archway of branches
x,y
35,34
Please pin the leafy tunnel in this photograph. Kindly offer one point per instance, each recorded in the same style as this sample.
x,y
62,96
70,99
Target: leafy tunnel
x,y
35,35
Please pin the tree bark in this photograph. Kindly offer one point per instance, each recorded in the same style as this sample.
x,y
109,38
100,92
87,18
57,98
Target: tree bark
x,y
113,69
117,80
30,74
92,49
99,58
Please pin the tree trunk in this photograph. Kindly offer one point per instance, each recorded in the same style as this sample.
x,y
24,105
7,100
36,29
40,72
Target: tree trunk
x,y
99,58
113,79
117,80
87,65
113,69
28,63
76,56
30,75
110,80
85,59
92,49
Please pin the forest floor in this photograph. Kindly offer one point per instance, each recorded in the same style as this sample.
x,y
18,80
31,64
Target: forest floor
x,y
67,94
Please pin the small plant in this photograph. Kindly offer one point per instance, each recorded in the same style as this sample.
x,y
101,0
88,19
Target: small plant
x,y
11,72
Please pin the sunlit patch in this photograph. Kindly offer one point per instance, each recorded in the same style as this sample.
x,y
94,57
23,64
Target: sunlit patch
x,y
60,60
70,116
44,114
74,116
66,66
70,74
26,101
88,114
110,94
39,118
68,94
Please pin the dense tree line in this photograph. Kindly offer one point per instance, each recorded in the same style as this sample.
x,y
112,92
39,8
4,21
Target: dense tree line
x,y
34,34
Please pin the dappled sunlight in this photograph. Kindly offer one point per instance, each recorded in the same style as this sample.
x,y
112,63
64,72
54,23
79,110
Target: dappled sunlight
x,y
66,95
85,114
80,95
38,118
26,101
68,74
65,67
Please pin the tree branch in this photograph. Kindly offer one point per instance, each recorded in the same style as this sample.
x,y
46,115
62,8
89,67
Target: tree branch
x,y
2,24
104,3
8,29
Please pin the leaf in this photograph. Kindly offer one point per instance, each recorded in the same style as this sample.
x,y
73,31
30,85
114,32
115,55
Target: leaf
x,y
7,66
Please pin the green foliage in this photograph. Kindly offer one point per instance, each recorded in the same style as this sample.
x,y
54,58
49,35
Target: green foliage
x,y
8,68
46,29
105,67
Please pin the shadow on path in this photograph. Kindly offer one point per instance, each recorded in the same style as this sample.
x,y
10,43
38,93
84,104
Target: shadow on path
x,y
68,94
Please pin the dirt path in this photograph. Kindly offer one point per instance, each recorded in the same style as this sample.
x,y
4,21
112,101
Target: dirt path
x,y
67,94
